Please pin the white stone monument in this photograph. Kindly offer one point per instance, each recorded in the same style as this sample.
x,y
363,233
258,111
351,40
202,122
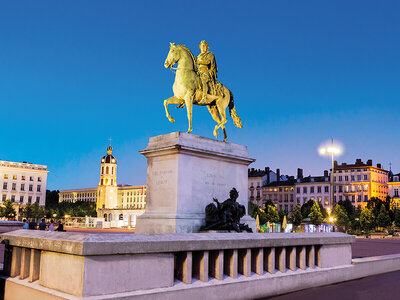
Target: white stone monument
x,y
184,173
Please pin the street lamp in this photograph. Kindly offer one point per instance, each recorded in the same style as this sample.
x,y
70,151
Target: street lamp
x,y
332,150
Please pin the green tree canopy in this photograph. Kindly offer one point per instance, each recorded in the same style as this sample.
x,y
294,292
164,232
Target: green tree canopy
x,y
282,213
397,218
348,207
296,217
7,210
316,216
383,219
367,219
272,214
306,208
341,216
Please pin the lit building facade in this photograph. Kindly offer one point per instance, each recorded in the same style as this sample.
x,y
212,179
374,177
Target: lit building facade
x,y
359,182
281,193
315,188
394,189
23,183
117,204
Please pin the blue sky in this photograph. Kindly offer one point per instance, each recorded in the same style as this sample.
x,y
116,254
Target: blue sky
x,y
74,73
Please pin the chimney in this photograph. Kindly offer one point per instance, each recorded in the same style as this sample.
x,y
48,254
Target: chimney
x,y
335,164
326,174
358,162
369,162
278,175
379,166
299,173
268,175
252,170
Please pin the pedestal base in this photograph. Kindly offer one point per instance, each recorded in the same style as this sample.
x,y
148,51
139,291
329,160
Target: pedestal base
x,y
184,173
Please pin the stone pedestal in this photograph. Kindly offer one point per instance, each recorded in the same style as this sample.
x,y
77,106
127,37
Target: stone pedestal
x,y
184,173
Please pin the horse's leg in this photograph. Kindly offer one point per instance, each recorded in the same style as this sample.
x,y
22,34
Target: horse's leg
x,y
172,100
215,115
222,104
189,107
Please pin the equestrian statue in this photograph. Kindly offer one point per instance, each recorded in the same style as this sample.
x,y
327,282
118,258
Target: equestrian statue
x,y
196,83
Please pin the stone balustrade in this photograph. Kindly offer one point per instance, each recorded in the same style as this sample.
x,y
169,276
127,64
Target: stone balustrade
x,y
85,265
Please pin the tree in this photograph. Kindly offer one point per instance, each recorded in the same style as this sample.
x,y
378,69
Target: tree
x,y
341,216
306,208
367,219
296,217
27,211
37,211
374,204
347,206
383,219
7,210
316,216
272,214
397,218
282,213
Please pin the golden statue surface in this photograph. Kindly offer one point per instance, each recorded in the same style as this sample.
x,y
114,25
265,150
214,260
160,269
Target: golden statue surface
x,y
196,83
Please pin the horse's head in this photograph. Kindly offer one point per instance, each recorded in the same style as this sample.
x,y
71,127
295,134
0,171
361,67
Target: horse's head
x,y
173,56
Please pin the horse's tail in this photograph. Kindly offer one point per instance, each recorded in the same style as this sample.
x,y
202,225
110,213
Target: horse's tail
x,y
233,113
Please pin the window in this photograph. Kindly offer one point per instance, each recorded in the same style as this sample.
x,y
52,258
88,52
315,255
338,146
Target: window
x,y
22,186
14,177
327,189
38,188
31,178
21,199
107,169
353,198
5,176
286,197
291,197
358,177
304,190
319,189
112,182
39,179
365,177
14,186
312,190
37,199
359,198
340,189
4,185
31,187
4,198
346,178
396,192
340,178
340,198
101,182
298,190
365,198
352,177
13,198
22,177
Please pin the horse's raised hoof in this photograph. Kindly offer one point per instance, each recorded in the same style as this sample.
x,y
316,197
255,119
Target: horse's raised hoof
x,y
172,120
225,139
215,132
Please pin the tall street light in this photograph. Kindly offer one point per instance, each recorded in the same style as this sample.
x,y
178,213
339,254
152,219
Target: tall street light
x,y
332,150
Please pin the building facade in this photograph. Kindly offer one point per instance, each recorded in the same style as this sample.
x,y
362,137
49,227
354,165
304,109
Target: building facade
x,y
23,183
117,204
259,178
281,193
359,182
315,188
394,189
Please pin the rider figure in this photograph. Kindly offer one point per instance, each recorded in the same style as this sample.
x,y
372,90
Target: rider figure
x,y
207,68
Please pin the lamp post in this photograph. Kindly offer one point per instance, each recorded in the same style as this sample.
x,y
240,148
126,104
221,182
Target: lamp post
x,y
331,150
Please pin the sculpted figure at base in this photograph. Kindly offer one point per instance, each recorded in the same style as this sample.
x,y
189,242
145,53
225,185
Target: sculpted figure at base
x,y
196,83
226,215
